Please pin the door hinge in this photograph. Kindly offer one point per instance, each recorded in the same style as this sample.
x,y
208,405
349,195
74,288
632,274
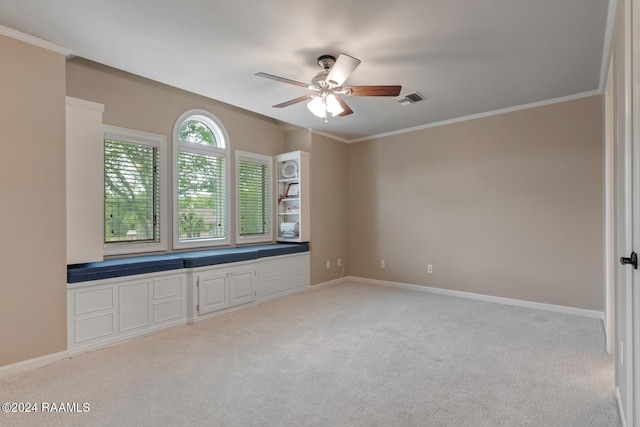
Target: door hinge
x,y
198,308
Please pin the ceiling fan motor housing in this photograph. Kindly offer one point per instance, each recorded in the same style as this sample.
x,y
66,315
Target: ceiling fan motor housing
x,y
326,61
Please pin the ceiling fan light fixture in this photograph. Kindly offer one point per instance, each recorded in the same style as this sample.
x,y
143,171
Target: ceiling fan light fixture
x,y
317,107
333,106
321,105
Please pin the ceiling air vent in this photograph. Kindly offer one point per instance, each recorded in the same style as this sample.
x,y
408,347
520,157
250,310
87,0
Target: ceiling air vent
x,y
410,98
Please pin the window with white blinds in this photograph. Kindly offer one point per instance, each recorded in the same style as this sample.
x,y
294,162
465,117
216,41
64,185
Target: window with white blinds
x,y
133,211
253,178
201,211
201,196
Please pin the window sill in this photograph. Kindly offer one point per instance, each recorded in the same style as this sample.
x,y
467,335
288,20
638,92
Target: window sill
x,y
132,248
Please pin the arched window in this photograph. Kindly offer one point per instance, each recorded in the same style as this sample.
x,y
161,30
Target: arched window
x,y
201,206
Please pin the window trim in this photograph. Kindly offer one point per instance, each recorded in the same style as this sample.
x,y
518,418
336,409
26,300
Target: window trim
x,y
149,139
224,151
260,159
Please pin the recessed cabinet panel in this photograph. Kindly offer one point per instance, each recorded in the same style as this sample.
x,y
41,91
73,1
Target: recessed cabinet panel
x,y
165,288
269,269
300,279
300,270
242,287
93,327
270,286
213,292
93,300
284,276
133,305
167,311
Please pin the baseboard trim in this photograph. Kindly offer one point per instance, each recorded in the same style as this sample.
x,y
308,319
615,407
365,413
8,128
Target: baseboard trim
x,y
623,418
31,364
487,298
330,283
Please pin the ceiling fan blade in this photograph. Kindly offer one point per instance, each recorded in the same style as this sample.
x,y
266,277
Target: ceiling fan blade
x,y
293,101
374,90
282,79
344,106
342,69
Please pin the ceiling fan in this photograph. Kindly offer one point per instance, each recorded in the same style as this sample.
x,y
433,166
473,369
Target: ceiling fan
x,y
327,89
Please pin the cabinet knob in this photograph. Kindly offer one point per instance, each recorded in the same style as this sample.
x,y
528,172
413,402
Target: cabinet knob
x,y
633,260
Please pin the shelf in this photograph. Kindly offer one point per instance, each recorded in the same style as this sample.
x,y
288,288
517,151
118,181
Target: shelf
x,y
294,209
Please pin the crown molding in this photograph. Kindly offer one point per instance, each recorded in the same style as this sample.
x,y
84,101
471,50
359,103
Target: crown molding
x,y
481,115
5,31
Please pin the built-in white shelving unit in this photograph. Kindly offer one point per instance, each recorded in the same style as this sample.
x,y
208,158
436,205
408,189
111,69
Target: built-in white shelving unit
x,y
292,191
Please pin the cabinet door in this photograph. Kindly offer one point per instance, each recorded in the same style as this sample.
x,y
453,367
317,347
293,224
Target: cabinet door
x,y
300,269
91,315
213,291
169,300
270,277
133,305
242,285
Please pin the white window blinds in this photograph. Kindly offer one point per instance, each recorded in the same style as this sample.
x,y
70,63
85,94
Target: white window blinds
x,y
131,192
201,197
253,198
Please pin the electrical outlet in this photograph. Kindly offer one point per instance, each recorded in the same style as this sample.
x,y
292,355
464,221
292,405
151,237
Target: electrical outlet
x,y
328,264
382,264
339,262
429,268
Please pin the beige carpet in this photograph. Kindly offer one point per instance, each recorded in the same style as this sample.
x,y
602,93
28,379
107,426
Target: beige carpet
x,y
347,355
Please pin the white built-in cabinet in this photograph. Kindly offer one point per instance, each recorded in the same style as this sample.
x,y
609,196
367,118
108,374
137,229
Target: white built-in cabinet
x,y
293,197
283,275
219,288
84,157
102,312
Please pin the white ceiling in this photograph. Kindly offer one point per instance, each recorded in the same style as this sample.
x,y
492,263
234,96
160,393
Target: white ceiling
x,y
465,56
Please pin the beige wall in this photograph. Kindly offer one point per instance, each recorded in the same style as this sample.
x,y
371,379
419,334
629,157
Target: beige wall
x,y
509,205
32,190
137,103
329,209
298,139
